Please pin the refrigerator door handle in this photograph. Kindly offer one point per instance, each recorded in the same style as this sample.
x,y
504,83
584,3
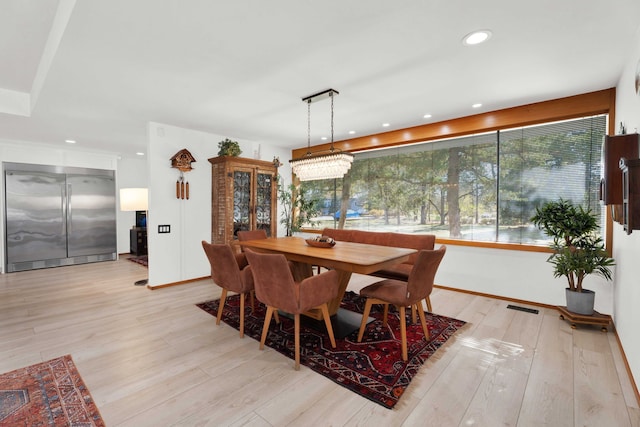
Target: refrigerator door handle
x,y
63,205
69,214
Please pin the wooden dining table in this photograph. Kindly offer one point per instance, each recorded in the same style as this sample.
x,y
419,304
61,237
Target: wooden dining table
x,y
345,257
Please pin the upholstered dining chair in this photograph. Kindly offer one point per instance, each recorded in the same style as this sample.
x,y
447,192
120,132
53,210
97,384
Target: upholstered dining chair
x,y
251,235
404,294
232,273
277,289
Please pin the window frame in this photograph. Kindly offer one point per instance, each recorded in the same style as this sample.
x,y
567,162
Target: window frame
x,y
572,107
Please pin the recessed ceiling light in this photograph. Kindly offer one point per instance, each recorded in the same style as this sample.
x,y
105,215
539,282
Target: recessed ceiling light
x,y
385,125
324,138
478,105
476,37
70,141
427,116
140,153
351,132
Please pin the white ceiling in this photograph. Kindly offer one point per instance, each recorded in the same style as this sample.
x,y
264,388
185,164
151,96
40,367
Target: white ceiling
x,y
98,71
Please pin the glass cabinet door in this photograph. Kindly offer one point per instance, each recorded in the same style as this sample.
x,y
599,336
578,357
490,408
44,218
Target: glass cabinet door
x,y
263,202
241,201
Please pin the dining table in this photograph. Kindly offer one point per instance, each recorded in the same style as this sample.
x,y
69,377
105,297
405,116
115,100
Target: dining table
x,y
344,257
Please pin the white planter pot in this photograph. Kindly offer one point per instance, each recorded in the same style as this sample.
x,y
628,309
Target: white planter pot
x,y
580,302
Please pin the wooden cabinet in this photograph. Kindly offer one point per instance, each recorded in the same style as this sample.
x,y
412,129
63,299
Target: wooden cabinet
x,y
244,197
630,194
138,241
613,149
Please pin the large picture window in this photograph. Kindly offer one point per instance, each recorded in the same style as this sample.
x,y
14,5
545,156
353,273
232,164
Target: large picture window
x,y
479,188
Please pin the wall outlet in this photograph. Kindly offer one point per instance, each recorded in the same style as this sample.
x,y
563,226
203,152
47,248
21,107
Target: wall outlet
x,y
164,229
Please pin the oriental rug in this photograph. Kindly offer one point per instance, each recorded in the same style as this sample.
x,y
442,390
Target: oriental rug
x,y
50,393
373,368
142,260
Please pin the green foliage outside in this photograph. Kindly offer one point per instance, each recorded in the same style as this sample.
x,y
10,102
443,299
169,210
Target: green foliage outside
x,y
482,187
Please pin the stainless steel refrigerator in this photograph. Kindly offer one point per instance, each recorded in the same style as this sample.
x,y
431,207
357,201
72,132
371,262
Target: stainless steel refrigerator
x,y
58,216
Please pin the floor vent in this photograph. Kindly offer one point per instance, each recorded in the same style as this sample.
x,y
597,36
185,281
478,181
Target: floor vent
x,y
525,309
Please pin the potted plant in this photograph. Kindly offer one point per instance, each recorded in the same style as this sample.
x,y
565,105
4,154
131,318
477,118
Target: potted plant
x,y
228,147
297,209
577,251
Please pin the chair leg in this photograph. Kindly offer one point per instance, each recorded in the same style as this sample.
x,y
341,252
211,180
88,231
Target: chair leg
x,y
423,320
252,295
265,327
223,298
327,322
242,315
385,314
276,316
403,332
365,315
428,301
297,340
414,308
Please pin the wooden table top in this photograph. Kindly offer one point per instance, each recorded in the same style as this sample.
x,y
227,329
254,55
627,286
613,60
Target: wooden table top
x,y
347,256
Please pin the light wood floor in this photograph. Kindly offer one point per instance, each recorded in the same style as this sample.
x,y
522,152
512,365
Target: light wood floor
x,y
152,358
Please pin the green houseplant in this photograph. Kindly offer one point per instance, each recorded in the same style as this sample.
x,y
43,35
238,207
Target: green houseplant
x,y
228,147
297,208
577,251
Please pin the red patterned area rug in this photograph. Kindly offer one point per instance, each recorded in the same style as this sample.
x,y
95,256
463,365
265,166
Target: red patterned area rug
x,y
142,260
373,368
51,393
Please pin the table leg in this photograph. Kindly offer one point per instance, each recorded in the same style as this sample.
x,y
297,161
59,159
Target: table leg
x,y
343,282
301,270
344,322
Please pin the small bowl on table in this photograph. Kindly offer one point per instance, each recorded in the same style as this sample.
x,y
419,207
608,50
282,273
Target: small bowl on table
x,y
321,242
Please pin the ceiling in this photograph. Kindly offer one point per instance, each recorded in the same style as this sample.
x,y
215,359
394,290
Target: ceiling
x,y
97,71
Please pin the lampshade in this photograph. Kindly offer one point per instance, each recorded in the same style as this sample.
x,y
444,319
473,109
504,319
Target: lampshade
x,y
134,199
331,164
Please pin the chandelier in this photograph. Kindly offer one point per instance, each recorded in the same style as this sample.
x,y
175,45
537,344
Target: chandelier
x,y
328,164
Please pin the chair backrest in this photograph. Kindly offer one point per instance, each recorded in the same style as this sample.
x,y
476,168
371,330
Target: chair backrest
x,y
273,280
251,235
224,267
423,273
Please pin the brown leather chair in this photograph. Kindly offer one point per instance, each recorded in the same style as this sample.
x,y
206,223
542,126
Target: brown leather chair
x,y
231,272
276,288
251,235
404,294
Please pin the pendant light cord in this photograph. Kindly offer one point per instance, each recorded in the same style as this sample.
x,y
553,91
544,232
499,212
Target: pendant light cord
x,y
331,121
309,127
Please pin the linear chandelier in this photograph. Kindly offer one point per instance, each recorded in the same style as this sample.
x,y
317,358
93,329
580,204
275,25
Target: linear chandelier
x,y
328,164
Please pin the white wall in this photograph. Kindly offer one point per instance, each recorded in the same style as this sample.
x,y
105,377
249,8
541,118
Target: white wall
x,y
132,173
626,248
178,256
513,274
40,154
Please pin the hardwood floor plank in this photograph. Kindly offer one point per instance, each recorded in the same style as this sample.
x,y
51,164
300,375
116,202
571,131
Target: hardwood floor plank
x,y
117,411
548,398
499,396
152,358
252,420
625,381
597,395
